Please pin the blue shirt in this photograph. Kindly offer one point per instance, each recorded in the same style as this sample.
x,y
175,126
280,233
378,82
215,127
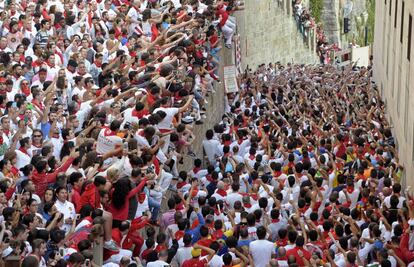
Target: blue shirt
x,y
195,233
45,128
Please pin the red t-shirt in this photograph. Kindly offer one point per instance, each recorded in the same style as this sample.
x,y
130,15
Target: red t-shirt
x,y
294,252
204,242
195,263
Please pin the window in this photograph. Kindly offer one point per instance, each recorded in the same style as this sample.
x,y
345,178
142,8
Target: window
x,y
389,11
407,105
395,14
402,22
410,24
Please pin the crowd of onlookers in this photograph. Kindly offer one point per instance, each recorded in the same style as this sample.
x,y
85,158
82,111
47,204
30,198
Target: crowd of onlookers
x,y
308,27
306,173
98,102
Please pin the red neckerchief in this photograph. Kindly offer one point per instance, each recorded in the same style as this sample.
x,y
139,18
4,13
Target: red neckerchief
x,y
254,196
252,157
302,210
160,248
22,149
281,242
109,132
247,205
350,189
141,197
179,234
37,104
209,178
181,185
221,192
139,114
1,140
14,170
196,170
240,141
276,174
227,143
25,90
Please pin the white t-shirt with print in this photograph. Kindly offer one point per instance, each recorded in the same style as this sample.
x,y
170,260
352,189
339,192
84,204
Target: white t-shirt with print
x,y
107,141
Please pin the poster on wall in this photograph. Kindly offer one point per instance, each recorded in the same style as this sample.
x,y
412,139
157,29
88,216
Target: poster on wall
x,y
230,79
360,55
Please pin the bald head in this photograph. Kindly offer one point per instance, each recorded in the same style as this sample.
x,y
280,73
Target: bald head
x,y
386,191
281,252
273,263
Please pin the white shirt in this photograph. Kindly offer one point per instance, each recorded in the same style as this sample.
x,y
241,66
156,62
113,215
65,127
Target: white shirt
x,y
232,198
261,251
23,159
182,255
128,117
340,260
166,123
211,148
353,197
216,261
57,146
388,204
107,141
133,14
158,263
68,211
81,114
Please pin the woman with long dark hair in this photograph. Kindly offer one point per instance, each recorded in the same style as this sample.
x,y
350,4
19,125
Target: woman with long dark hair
x,y
120,199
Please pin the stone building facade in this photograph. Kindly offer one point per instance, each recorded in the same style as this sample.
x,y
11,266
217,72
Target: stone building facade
x,y
394,73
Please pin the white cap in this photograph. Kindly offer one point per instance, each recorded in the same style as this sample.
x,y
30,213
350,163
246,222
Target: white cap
x,y
7,252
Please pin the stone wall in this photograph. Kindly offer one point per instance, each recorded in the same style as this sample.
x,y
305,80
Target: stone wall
x,y
268,33
330,21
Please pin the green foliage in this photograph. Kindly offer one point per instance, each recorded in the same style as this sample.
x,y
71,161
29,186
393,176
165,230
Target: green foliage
x,y
371,20
316,7
369,23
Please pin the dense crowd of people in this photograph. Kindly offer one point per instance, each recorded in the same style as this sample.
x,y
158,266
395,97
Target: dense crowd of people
x,y
98,101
